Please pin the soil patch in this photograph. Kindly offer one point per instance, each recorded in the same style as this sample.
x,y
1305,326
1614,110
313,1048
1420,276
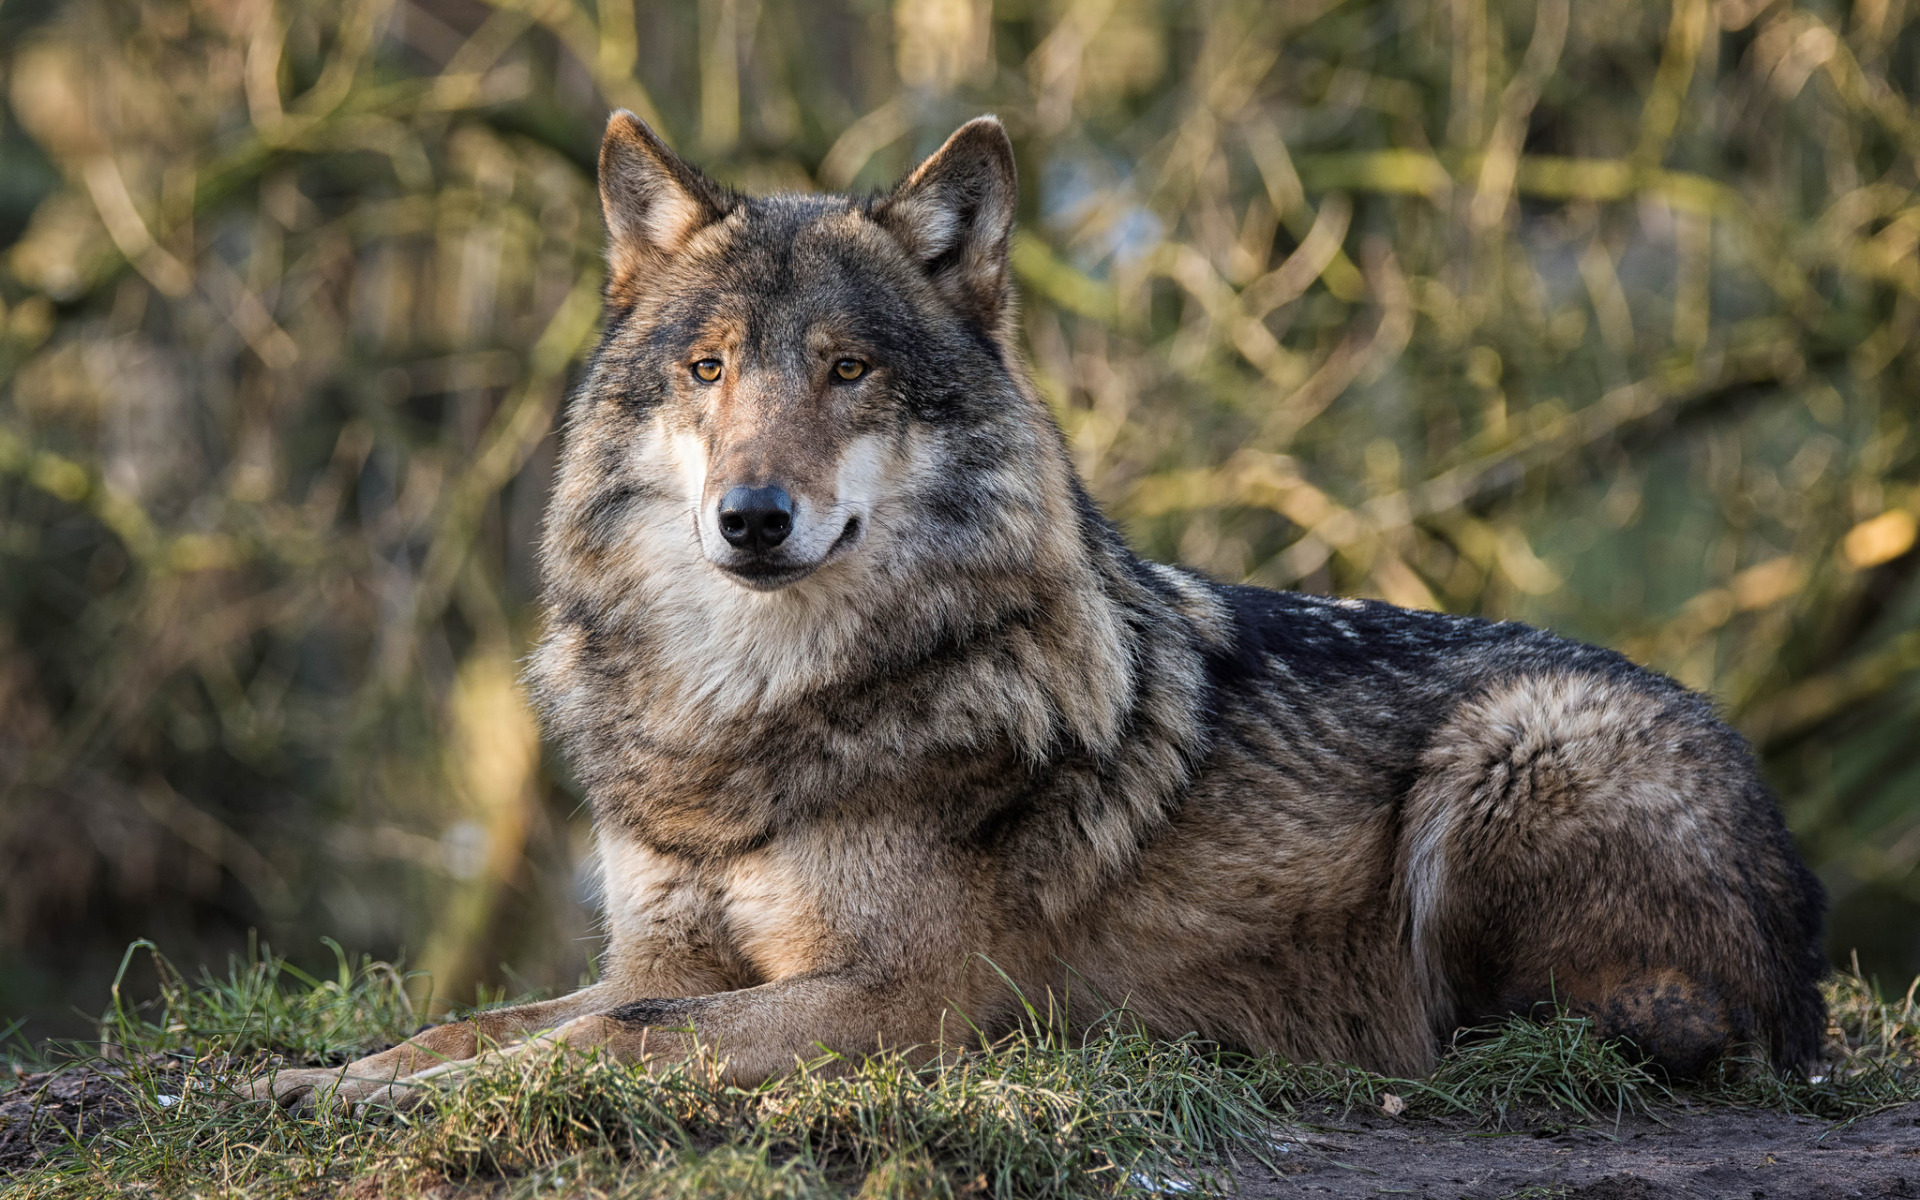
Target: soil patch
x,y
1686,1154
43,1111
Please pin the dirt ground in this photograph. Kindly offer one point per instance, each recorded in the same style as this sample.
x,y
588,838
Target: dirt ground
x,y
40,1112
1737,1154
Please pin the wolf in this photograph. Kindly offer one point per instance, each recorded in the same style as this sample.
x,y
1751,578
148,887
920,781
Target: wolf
x,y
877,713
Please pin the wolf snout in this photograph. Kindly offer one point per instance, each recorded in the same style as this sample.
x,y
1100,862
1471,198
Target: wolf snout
x,y
756,518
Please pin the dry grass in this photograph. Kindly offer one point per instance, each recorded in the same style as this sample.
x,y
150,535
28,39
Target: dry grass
x,y
1038,1114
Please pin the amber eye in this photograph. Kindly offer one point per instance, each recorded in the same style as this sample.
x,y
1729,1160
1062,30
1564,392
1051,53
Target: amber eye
x,y
849,368
707,370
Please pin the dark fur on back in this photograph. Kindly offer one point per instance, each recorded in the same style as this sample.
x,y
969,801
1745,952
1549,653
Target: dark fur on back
x,y
951,726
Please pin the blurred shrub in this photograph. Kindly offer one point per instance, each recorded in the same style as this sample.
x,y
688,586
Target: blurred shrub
x,y
1596,315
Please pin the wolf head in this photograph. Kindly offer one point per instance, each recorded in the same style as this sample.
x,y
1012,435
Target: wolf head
x,y
780,373
807,442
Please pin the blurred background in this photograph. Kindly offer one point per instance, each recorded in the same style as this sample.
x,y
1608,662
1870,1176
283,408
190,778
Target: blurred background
x,y
1598,315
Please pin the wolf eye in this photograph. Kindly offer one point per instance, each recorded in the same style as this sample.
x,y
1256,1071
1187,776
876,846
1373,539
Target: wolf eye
x,y
707,370
849,368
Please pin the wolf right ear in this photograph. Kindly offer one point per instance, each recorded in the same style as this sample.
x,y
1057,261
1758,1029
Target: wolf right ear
x,y
652,201
955,214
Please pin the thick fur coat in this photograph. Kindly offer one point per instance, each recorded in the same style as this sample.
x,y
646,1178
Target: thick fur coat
x,y
877,711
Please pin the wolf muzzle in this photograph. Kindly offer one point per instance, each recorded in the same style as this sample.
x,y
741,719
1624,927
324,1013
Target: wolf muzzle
x,y
756,518
770,538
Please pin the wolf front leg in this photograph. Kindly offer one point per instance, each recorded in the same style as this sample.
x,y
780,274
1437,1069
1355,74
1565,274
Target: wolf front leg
x,y
660,947
456,1041
753,1034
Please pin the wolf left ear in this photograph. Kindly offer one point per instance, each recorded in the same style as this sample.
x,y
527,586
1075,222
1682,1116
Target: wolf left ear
x,y
651,200
954,213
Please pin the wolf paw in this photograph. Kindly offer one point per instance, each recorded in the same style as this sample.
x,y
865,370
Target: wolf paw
x,y
403,1095
293,1088
304,1092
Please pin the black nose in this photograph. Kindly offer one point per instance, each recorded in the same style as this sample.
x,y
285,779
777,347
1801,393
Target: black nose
x,y
756,518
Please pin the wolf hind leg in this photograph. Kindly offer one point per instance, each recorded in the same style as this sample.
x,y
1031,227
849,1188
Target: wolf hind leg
x,y
1678,1024
1665,1018
1602,843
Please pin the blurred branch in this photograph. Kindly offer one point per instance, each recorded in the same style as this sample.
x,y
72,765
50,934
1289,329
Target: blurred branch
x,y
1678,55
1498,164
215,839
129,232
1810,702
1043,272
1273,481
1548,177
522,420
861,140
611,63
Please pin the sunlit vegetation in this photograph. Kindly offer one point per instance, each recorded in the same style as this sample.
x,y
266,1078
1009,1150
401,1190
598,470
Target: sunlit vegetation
x,y
1596,314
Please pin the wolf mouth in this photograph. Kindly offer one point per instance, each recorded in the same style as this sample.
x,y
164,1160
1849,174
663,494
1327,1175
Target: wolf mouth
x,y
771,577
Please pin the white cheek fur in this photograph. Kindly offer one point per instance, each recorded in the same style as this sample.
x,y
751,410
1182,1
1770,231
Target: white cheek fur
x,y
729,647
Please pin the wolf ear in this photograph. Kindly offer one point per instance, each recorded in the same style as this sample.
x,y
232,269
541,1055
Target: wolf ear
x,y
652,201
954,214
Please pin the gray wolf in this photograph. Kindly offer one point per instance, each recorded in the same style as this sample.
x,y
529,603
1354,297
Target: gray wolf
x,y
873,705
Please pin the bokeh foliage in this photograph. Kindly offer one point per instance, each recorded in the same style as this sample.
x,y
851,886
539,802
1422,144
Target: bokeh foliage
x,y
1598,315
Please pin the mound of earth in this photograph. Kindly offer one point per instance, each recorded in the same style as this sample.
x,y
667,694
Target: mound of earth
x,y
1681,1154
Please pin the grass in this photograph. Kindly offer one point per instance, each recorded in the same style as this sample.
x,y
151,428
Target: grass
x,y
263,1005
1519,1071
1039,1113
